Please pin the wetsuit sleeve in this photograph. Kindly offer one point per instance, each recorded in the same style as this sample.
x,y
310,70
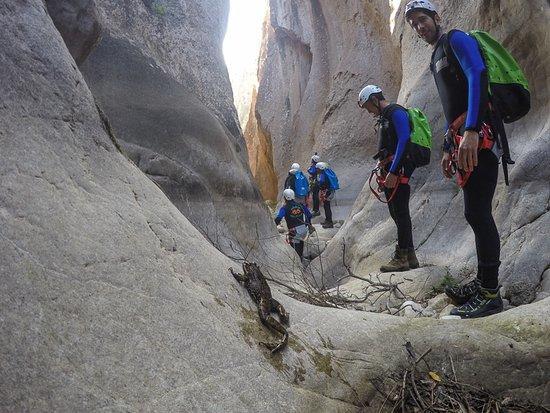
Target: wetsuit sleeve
x,y
280,216
308,215
468,55
400,120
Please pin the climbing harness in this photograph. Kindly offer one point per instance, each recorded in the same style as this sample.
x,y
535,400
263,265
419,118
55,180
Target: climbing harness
x,y
380,173
453,139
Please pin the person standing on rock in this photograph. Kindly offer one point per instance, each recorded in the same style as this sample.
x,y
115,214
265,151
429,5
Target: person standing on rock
x,y
327,188
394,136
461,77
298,221
297,181
290,181
314,184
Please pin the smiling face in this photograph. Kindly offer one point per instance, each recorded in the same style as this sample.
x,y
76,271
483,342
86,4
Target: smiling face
x,y
425,26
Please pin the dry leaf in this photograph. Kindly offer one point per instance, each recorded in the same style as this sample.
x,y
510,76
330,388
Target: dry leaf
x,y
434,376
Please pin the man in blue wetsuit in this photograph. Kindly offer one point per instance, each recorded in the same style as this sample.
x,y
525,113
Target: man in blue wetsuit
x,y
394,136
326,194
314,184
461,78
298,221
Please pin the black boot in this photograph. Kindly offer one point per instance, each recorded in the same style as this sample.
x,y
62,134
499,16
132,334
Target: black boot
x,y
327,224
462,293
485,302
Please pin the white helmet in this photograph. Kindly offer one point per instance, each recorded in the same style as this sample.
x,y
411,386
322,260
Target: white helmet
x,y
295,166
321,165
421,5
366,93
315,158
288,194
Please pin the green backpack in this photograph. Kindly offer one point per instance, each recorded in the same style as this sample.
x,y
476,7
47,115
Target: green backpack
x,y
508,89
421,137
508,86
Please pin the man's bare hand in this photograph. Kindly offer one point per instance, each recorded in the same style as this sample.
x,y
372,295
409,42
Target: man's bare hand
x,y
467,151
446,165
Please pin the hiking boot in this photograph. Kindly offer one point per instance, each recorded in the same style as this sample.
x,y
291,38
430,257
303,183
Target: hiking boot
x,y
327,224
460,294
399,262
411,257
315,213
485,302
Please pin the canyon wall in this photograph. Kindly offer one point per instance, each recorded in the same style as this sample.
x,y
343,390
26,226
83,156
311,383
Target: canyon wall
x,y
113,300
158,74
316,56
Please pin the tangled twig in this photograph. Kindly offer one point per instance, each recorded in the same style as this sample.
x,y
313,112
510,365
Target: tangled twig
x,y
416,390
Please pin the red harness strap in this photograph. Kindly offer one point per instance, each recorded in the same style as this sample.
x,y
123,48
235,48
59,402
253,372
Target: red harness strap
x,y
486,141
380,173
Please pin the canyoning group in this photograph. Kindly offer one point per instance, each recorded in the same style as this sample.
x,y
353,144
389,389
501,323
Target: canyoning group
x,y
300,194
481,87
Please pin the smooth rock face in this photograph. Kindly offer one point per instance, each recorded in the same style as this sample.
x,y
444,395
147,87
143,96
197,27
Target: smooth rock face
x,y
111,300
441,234
260,150
78,23
169,104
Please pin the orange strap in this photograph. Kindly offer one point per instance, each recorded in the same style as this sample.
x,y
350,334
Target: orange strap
x,y
485,142
380,175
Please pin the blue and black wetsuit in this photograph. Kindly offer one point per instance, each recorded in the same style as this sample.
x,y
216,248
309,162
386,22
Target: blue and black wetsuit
x,y
325,186
314,186
461,78
295,215
395,132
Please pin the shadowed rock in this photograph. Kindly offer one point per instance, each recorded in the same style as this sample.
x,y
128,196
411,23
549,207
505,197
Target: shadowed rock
x,y
77,21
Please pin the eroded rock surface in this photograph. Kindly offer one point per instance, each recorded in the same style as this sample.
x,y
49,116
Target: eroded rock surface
x,y
112,300
159,76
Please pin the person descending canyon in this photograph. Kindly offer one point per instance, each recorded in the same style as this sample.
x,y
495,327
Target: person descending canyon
x,y
396,167
328,185
313,184
298,221
463,70
297,181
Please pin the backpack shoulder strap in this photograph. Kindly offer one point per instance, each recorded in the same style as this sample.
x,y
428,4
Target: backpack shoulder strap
x,y
388,110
